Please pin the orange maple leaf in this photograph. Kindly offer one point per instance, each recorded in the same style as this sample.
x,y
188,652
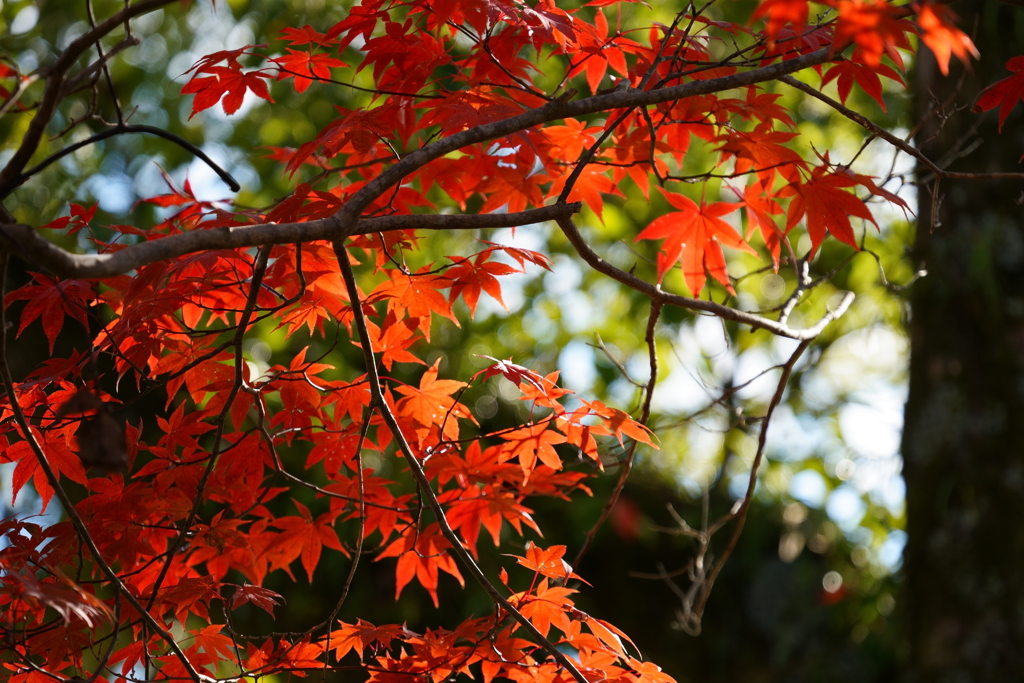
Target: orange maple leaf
x,y
693,237
432,404
548,562
827,206
782,13
940,33
362,634
532,442
547,607
874,27
620,423
415,295
421,553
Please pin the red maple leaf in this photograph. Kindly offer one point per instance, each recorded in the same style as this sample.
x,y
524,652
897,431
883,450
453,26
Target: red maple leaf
x,y
782,13
264,598
52,299
80,218
851,70
874,27
394,343
306,67
760,209
523,256
231,84
693,236
59,457
939,32
475,507
303,536
517,374
305,35
828,207
761,150
1005,93
421,555
470,278
590,185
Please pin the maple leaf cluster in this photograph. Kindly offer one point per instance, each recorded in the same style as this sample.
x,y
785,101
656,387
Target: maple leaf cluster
x,y
176,521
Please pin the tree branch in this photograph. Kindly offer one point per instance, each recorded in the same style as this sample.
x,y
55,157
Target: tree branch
x,y
24,240
898,143
656,293
561,108
79,78
741,513
120,130
645,416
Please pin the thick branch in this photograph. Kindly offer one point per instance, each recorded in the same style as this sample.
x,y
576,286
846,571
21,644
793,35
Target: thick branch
x,y
97,266
25,241
656,293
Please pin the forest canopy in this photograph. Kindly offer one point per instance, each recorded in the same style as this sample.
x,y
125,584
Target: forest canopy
x,y
410,293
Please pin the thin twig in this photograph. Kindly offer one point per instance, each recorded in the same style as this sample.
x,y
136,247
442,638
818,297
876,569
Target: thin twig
x,y
645,415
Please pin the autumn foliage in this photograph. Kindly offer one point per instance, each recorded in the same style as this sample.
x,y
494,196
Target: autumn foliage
x,y
502,108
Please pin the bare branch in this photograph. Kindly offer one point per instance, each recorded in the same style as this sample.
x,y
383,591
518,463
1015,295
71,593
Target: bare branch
x,y
25,241
645,415
740,513
121,129
82,76
902,145
656,293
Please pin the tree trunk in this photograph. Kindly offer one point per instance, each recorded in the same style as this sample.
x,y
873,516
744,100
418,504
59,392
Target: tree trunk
x,y
963,443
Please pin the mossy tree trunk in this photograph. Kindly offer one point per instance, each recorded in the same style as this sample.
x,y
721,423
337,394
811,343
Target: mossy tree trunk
x,y
963,442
